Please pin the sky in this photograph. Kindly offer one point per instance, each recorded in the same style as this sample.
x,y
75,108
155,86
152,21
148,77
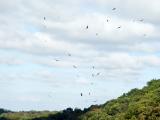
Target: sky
x,y
48,56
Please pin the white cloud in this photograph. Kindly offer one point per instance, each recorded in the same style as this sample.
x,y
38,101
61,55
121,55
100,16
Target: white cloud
x,y
56,38
11,61
138,8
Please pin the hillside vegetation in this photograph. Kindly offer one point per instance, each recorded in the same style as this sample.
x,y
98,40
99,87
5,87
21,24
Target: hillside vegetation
x,y
138,104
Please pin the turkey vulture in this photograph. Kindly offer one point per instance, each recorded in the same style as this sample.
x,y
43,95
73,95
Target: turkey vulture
x,y
74,66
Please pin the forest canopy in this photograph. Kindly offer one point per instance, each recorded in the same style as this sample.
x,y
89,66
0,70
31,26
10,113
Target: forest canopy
x,y
138,104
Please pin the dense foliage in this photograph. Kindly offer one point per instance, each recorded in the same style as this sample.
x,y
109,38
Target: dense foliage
x,y
3,111
138,104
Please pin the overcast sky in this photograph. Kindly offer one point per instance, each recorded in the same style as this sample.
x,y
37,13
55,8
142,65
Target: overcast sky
x,y
42,41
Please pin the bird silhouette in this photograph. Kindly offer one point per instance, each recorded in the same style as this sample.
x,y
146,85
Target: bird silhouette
x,y
81,94
87,27
141,20
57,60
118,27
92,75
95,101
98,74
92,83
69,54
113,8
74,66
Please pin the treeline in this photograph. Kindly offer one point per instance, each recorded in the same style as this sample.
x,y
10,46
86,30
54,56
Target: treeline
x,y
4,111
138,104
67,114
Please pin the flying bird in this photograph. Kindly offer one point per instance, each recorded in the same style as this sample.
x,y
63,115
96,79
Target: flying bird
x,y
87,27
92,83
44,18
49,96
45,40
144,35
92,75
69,54
113,8
141,20
118,27
81,94
95,101
98,73
57,60
74,66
